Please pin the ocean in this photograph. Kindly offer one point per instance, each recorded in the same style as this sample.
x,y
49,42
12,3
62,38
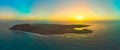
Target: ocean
x,y
105,36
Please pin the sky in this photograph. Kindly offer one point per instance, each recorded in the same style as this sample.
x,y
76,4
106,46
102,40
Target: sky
x,y
60,10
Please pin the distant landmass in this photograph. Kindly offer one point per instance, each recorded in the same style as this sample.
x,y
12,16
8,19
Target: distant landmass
x,y
49,29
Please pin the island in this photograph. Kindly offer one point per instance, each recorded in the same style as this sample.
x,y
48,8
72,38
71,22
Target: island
x,y
50,29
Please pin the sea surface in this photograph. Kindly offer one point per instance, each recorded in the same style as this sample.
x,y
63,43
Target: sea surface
x,y
105,36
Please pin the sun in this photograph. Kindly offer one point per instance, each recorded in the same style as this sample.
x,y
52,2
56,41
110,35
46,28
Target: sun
x,y
79,17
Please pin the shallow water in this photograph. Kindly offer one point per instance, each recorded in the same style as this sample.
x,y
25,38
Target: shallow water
x,y
105,36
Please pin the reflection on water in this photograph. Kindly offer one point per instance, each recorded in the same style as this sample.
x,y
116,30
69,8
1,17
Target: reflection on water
x,y
104,37
78,28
